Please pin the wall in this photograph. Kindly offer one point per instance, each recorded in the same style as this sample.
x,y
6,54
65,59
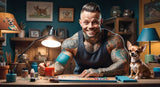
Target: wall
x,y
155,48
18,8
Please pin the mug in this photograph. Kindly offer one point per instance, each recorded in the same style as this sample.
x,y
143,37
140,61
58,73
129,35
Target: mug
x,y
49,71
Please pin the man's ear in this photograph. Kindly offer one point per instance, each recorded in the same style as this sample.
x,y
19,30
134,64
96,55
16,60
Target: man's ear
x,y
80,22
101,21
143,47
128,44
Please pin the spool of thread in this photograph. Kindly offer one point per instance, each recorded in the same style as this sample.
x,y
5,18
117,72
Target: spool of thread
x,y
11,77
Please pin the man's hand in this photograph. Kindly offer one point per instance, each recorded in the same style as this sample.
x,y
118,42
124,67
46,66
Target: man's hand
x,y
41,68
90,72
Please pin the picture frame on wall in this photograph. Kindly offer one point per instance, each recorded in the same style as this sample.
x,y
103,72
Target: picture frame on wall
x,y
34,33
66,14
152,12
39,11
62,33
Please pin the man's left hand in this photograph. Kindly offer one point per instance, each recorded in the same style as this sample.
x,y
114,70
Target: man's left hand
x,y
90,72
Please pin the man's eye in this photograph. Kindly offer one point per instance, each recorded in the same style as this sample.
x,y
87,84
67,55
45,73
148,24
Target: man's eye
x,y
85,22
95,22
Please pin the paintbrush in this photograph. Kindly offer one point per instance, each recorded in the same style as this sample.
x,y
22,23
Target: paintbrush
x,y
8,56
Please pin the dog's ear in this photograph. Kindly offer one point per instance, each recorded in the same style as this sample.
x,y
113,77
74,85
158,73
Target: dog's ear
x,y
143,47
128,44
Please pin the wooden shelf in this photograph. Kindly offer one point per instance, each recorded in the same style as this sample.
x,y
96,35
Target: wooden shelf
x,y
123,33
22,39
28,39
124,26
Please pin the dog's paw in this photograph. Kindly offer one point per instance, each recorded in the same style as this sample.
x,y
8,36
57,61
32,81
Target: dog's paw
x,y
136,77
130,76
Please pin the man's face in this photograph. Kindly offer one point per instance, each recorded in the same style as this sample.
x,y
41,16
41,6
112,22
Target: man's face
x,y
90,23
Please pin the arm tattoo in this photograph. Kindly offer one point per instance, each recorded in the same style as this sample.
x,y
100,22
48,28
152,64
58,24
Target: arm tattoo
x,y
119,58
59,68
70,43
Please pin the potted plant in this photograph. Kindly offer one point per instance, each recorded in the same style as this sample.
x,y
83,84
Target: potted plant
x,y
22,31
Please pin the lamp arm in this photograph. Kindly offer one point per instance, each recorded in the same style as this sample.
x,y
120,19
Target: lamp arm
x,y
31,45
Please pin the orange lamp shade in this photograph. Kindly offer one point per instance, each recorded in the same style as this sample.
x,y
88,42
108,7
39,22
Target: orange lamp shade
x,y
8,23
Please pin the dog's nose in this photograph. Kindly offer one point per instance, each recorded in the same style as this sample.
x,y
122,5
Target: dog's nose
x,y
132,54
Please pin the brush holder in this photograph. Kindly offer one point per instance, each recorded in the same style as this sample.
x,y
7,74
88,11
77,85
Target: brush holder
x,y
3,71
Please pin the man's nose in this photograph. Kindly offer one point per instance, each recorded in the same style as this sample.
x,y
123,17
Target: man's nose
x,y
90,25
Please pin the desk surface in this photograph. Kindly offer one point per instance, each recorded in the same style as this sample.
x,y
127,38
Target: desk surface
x,y
43,82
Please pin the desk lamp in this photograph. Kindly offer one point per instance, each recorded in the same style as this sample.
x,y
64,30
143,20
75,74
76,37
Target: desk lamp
x,y
49,41
8,24
148,35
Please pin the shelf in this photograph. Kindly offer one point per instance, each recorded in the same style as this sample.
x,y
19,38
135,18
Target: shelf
x,y
27,39
119,19
124,26
122,33
22,39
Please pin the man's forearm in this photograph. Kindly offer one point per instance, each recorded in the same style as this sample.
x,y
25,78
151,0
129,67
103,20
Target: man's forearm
x,y
118,68
59,68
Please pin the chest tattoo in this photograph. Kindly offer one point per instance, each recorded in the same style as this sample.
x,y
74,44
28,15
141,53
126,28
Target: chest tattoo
x,y
91,47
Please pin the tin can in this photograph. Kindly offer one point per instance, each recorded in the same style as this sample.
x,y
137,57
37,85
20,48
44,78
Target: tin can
x,y
34,66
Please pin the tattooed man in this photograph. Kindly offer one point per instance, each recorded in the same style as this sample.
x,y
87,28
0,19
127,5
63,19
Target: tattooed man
x,y
96,51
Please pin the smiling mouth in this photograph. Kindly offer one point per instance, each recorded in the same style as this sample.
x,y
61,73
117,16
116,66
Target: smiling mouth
x,y
91,33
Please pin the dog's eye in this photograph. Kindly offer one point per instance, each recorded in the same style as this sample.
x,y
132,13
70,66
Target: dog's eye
x,y
129,50
137,51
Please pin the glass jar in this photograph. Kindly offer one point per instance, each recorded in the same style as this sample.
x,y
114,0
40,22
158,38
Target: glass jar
x,y
24,73
115,11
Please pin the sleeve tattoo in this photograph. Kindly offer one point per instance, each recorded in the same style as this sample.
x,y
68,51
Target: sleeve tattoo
x,y
119,57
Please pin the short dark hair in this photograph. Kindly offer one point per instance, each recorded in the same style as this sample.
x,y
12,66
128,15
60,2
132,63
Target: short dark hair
x,y
91,7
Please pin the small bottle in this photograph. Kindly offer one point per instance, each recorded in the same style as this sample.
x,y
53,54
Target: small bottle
x,y
32,73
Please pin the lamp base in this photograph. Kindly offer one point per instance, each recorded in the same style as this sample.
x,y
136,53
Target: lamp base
x,y
149,58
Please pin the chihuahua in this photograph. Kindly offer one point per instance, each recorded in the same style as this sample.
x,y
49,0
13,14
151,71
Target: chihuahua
x,y
140,69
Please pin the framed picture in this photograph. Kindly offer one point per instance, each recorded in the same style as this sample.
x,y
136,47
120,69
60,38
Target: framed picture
x,y
66,14
39,11
34,33
152,12
62,33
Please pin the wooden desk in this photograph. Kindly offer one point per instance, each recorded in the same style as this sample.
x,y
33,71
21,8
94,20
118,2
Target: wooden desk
x,y
47,83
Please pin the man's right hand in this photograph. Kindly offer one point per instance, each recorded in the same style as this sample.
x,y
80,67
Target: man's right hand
x,y
41,68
